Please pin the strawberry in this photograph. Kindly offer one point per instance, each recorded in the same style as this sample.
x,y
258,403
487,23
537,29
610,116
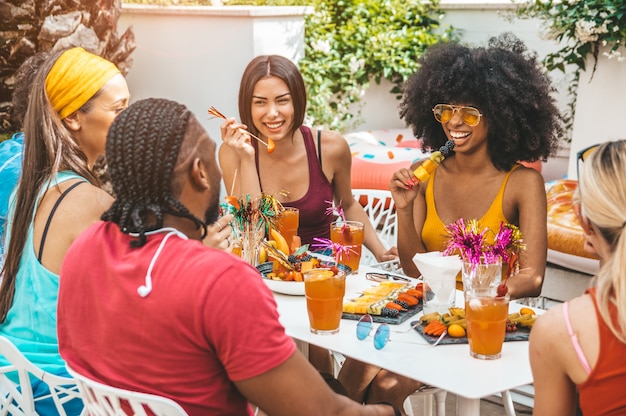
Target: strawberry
x,y
503,289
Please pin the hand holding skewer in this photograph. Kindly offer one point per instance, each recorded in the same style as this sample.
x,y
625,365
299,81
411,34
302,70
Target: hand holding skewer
x,y
270,143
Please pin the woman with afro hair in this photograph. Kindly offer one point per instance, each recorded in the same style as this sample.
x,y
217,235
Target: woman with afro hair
x,y
495,103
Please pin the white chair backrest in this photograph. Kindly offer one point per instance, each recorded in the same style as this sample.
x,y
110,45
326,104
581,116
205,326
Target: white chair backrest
x,y
380,209
20,402
103,400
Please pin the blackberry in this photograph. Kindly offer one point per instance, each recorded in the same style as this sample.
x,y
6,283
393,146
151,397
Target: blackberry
x,y
389,312
292,259
402,303
447,148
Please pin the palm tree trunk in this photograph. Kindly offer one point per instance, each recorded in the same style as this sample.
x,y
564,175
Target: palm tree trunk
x,y
31,26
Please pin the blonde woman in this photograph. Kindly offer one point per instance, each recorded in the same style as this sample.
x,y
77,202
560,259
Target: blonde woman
x,y
578,348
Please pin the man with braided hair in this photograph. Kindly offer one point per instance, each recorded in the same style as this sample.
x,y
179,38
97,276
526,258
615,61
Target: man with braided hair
x,y
145,306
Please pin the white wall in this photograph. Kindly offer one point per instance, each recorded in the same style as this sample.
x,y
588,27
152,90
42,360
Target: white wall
x,y
479,20
600,105
196,55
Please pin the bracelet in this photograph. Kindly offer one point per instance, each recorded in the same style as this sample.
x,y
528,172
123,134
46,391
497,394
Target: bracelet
x,y
396,412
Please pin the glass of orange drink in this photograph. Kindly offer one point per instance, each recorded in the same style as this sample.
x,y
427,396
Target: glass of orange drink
x,y
288,225
324,290
236,248
350,234
486,323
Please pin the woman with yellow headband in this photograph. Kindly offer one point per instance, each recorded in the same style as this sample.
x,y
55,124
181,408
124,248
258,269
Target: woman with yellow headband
x,y
74,98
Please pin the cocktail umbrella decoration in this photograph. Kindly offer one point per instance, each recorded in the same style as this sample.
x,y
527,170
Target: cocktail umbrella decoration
x,y
252,219
469,240
337,248
510,240
270,209
333,209
232,200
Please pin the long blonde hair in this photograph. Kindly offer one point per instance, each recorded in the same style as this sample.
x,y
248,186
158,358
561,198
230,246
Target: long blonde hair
x,y
602,192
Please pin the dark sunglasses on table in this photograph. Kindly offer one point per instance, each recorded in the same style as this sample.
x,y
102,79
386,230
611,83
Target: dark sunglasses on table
x,y
582,155
444,113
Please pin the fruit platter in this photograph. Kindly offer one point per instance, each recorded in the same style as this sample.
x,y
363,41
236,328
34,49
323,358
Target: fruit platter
x,y
285,273
389,302
292,286
433,325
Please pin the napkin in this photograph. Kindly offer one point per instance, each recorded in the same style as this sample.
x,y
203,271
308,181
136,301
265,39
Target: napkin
x,y
434,263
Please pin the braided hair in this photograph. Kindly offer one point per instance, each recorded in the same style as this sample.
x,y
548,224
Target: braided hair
x,y
142,149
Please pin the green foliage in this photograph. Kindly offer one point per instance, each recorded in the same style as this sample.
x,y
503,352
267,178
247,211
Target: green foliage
x,y
582,26
348,43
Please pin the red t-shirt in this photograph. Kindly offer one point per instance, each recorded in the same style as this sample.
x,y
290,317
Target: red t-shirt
x,y
208,319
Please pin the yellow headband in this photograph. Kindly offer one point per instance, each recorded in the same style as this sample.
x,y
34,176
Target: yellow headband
x,y
75,77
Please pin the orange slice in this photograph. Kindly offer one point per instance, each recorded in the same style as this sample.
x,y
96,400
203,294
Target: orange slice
x,y
232,201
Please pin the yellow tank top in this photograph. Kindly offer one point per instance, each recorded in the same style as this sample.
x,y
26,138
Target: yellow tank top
x,y
433,232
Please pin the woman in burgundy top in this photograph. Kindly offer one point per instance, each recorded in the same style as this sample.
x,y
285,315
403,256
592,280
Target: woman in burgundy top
x,y
581,345
307,167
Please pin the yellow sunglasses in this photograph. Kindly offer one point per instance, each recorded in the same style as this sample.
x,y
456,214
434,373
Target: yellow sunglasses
x,y
444,113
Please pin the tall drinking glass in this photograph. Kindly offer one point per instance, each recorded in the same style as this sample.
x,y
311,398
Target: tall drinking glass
x,y
350,234
482,276
324,292
486,323
288,225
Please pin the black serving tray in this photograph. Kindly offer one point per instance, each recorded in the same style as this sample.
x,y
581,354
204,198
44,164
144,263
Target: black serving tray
x,y
395,320
521,334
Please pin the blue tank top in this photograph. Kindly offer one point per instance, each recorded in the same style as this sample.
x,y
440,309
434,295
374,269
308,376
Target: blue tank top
x,y
31,322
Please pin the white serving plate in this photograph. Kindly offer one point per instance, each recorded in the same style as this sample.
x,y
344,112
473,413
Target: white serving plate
x,y
286,288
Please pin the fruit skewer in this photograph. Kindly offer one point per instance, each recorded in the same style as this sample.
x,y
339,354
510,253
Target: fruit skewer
x,y
270,143
423,171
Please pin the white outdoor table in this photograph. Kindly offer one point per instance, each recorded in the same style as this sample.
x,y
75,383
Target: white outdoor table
x,y
449,367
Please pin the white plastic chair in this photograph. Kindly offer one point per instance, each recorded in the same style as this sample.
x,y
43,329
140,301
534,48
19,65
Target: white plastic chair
x,y
103,400
21,402
429,394
380,209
